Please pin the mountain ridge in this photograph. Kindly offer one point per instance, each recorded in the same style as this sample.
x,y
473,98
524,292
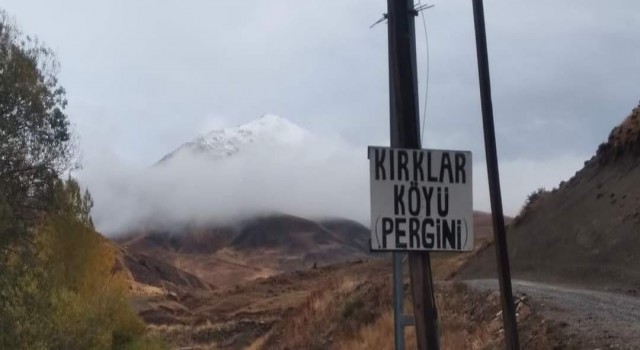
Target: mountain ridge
x,y
256,247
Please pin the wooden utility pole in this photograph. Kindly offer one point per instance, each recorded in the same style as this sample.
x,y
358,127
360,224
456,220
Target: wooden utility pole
x,y
499,231
405,133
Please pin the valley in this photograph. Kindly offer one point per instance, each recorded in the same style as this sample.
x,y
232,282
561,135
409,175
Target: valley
x,y
281,281
155,195
208,302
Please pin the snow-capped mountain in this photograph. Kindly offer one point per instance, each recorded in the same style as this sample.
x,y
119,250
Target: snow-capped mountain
x,y
268,130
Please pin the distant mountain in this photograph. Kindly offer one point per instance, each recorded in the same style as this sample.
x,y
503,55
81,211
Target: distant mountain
x,y
586,231
296,235
267,130
351,232
185,240
259,246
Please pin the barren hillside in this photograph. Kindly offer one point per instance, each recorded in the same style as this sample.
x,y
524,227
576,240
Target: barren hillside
x,y
150,275
586,231
260,247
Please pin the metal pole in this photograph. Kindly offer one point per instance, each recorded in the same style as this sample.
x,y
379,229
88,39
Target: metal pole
x,y
504,273
424,302
398,302
405,133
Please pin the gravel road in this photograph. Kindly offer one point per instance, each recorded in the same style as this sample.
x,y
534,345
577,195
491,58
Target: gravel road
x,y
590,319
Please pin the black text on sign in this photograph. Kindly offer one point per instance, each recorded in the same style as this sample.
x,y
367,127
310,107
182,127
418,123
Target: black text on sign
x,y
421,200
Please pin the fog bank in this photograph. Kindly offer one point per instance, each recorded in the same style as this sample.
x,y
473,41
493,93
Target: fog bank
x,y
317,178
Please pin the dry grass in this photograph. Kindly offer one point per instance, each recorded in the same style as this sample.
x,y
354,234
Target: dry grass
x,y
335,311
469,320
458,329
351,313
378,335
208,335
341,307
182,335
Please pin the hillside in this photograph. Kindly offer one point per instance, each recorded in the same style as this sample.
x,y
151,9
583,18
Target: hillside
x,y
348,306
586,231
259,247
150,275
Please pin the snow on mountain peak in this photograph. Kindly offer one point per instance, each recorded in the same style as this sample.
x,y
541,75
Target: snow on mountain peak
x,y
274,127
268,129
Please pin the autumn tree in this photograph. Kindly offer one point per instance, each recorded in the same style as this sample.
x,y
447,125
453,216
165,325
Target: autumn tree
x,y
35,146
88,302
35,142
57,285
67,295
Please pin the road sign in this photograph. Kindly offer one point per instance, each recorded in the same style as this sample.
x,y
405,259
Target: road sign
x,y
421,200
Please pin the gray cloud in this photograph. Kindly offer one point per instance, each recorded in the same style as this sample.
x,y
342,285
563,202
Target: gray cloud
x,y
321,177
144,76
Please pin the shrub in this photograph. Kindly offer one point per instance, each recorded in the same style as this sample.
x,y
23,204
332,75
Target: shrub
x,y
531,201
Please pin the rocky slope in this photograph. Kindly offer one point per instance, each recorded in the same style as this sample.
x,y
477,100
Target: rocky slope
x,y
586,231
148,275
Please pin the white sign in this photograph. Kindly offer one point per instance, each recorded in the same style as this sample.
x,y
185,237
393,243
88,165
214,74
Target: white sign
x,y
421,200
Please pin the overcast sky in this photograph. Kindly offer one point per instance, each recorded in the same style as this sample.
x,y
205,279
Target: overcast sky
x,y
145,76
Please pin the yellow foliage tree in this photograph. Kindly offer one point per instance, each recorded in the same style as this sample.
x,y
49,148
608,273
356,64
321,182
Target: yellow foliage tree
x,y
89,301
67,295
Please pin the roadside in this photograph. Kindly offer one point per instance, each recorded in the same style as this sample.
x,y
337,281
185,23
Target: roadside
x,y
588,319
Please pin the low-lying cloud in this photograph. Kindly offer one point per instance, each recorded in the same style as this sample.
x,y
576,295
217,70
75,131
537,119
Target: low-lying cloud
x,y
316,179
319,178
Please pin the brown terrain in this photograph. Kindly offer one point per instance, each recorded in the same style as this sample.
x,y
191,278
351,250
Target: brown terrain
x,y
348,306
348,301
284,282
586,232
152,274
262,247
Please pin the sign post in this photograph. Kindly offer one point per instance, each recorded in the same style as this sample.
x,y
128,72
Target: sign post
x,y
404,125
417,213
421,201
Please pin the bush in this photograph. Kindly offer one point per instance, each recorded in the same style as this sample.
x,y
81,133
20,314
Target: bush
x,y
529,204
66,295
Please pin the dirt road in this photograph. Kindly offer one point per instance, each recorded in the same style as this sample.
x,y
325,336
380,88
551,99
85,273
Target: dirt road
x,y
590,319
